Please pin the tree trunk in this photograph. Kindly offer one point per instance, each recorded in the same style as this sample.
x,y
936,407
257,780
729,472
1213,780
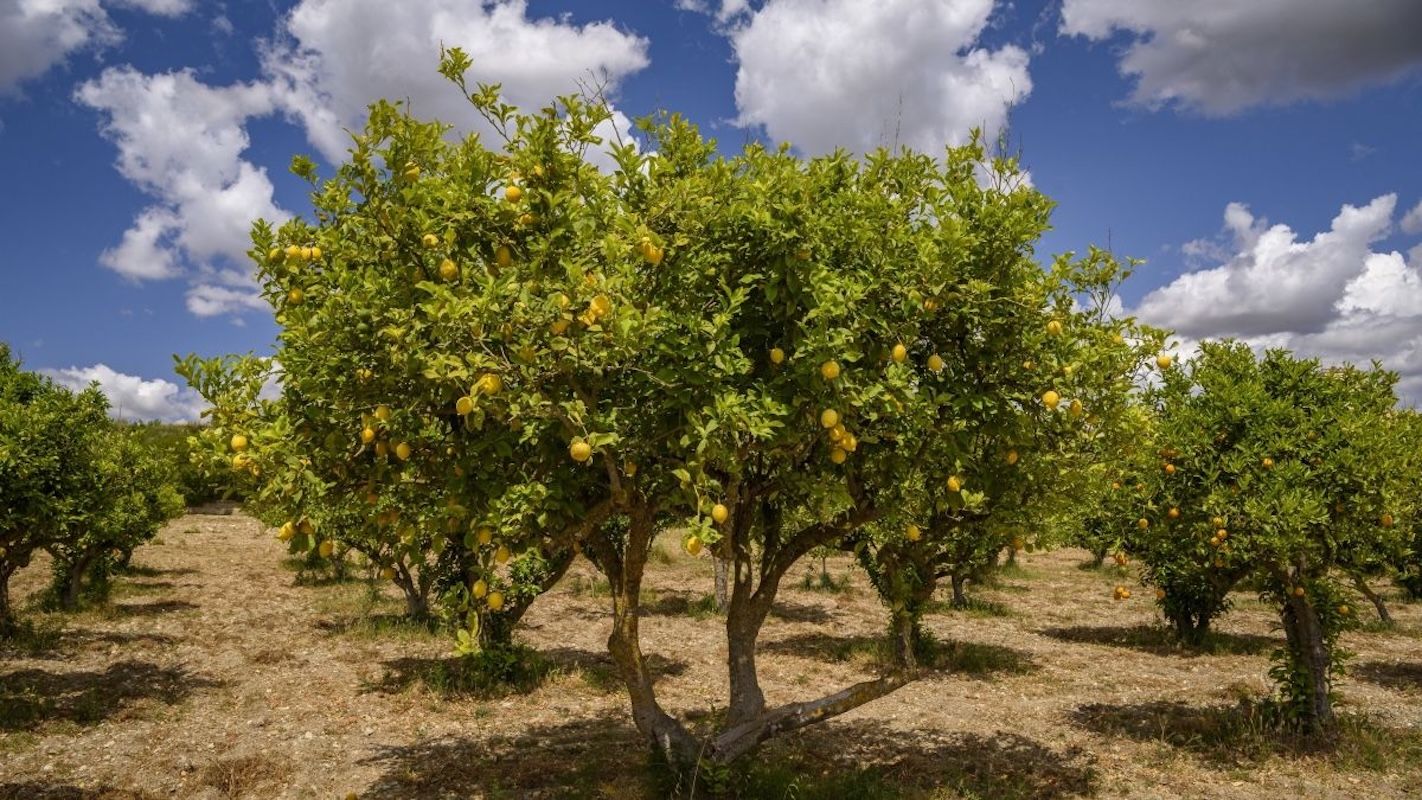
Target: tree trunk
x,y
1098,557
624,572
74,574
960,598
1362,586
745,614
7,614
723,590
1308,651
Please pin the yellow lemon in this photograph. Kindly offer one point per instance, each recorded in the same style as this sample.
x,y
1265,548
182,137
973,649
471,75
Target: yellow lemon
x,y
580,450
829,418
829,370
899,354
935,363
239,443
777,355
720,513
464,405
1050,399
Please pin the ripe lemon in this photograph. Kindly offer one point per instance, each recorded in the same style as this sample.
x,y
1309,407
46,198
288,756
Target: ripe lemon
x,y
777,356
580,450
1173,513
1268,463
274,254
1222,534
239,443
1054,328
479,589
829,370
382,413
1075,408
930,304
693,545
430,240
1050,399
1344,610
293,252
367,435
503,256
838,455
501,555
448,270
489,383
495,601
601,304
935,363
1169,469
899,354
315,254
464,405
1163,361
1142,523
513,194
829,418
295,297
848,442
912,533
1011,457
484,535
402,451
1387,520
327,548
720,513
1299,591
1218,522
287,531
955,483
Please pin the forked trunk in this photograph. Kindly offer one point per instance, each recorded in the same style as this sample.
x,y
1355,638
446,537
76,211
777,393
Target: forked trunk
x,y
1308,651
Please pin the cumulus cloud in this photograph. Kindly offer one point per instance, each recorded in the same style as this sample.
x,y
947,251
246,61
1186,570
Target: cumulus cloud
x,y
825,74
36,35
134,398
1333,296
181,142
1412,221
1220,56
336,56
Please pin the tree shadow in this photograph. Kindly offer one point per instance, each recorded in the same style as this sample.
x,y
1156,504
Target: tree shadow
x,y
1252,732
30,698
801,612
1400,676
500,674
678,604
600,756
34,790
869,759
972,659
604,756
154,572
152,609
1160,640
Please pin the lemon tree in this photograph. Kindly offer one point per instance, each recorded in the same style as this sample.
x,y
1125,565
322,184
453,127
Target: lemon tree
x,y
1281,470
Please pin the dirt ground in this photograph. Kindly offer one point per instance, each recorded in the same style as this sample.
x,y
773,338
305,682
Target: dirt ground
x,y
213,674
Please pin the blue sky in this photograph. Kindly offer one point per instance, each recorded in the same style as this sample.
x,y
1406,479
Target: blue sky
x,y
1264,158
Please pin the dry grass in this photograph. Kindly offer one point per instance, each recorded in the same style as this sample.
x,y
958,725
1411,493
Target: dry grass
x,y
213,674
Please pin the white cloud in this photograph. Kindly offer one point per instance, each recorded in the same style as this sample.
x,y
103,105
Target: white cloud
x,y
337,56
36,35
210,300
1333,296
1220,56
134,398
181,141
825,74
1412,221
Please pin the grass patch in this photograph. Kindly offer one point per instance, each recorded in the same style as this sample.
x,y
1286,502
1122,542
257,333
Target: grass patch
x,y
821,580
1254,731
241,776
32,636
489,674
975,607
580,585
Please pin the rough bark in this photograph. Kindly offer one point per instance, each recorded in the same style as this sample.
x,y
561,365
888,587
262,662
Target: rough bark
x,y
7,614
73,585
738,740
1309,651
723,590
960,598
624,571
1361,584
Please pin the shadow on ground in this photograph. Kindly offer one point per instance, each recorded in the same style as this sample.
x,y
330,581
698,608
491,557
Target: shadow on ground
x,y
605,757
1160,640
518,673
35,790
1393,675
965,658
152,609
31,698
1251,732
